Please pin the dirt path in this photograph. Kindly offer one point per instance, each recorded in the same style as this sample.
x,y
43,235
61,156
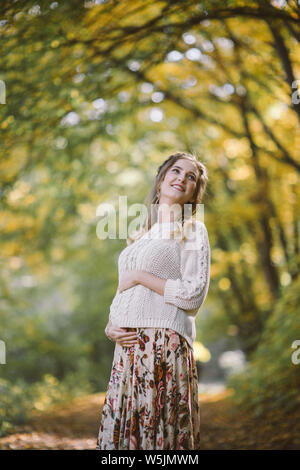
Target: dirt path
x,y
75,426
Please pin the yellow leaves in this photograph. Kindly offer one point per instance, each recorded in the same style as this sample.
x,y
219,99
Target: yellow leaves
x,y
216,269
11,226
55,43
41,404
46,58
237,148
10,248
129,177
49,379
11,165
224,284
13,59
30,330
262,295
277,255
74,93
242,173
35,258
11,222
100,19
292,178
42,211
285,278
257,128
72,180
38,46
27,200
21,189
165,69
60,213
64,166
15,263
57,253
229,257
87,212
6,123
217,254
248,253
37,264
201,353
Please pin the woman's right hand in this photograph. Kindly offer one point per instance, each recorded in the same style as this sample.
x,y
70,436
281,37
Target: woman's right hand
x,y
120,335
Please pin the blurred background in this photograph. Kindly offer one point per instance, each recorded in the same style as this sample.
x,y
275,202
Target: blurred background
x,y
94,96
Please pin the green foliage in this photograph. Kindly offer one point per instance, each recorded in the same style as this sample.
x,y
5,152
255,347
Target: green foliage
x,y
18,399
271,379
57,326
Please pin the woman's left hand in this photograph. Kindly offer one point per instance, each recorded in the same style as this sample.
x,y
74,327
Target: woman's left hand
x,y
128,279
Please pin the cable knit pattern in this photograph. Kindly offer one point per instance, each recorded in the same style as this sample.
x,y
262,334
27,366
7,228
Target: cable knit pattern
x,y
186,267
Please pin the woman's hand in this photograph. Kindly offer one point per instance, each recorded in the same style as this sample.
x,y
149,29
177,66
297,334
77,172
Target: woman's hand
x,y
120,335
128,279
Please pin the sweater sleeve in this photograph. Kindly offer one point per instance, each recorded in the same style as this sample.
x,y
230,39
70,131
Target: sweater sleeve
x,y
189,292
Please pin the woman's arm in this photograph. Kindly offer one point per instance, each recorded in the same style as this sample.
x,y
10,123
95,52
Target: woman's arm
x,y
189,292
132,278
152,282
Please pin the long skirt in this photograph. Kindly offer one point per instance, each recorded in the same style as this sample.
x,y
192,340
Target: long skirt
x,y
152,395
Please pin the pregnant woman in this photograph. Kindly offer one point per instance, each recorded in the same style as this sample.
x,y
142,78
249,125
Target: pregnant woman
x,y
152,395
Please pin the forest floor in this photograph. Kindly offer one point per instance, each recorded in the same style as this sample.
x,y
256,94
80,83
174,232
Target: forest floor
x,y
75,426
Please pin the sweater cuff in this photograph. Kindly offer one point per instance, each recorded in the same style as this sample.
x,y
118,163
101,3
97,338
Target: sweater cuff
x,y
170,291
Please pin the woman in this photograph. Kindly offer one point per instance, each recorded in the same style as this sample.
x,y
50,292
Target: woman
x,y
152,396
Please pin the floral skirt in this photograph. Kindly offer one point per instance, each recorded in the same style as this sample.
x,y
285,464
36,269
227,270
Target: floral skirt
x,y
152,395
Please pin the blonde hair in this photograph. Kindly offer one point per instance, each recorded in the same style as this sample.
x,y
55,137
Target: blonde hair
x,y
152,198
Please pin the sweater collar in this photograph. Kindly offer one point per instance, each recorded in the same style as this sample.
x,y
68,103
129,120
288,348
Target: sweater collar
x,y
164,229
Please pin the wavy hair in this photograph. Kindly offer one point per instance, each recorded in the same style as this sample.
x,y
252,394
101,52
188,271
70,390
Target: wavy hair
x,y
152,199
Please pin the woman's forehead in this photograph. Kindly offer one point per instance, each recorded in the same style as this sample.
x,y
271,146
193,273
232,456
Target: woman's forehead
x,y
186,164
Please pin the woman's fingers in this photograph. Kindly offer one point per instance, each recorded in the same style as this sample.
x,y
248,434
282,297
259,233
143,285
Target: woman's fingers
x,y
127,345
121,330
124,332
123,341
130,335
125,337
127,341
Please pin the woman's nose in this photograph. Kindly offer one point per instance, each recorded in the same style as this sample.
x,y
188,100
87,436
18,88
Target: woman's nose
x,y
181,178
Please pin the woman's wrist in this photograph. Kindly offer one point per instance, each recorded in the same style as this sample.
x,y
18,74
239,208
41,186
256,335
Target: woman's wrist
x,y
138,275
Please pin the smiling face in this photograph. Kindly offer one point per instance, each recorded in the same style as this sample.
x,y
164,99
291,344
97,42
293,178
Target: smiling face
x,y
179,184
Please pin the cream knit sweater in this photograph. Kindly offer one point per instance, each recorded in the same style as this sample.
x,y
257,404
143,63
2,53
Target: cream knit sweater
x,y
185,266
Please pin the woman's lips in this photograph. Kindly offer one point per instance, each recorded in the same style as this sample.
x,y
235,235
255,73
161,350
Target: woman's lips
x,y
179,188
